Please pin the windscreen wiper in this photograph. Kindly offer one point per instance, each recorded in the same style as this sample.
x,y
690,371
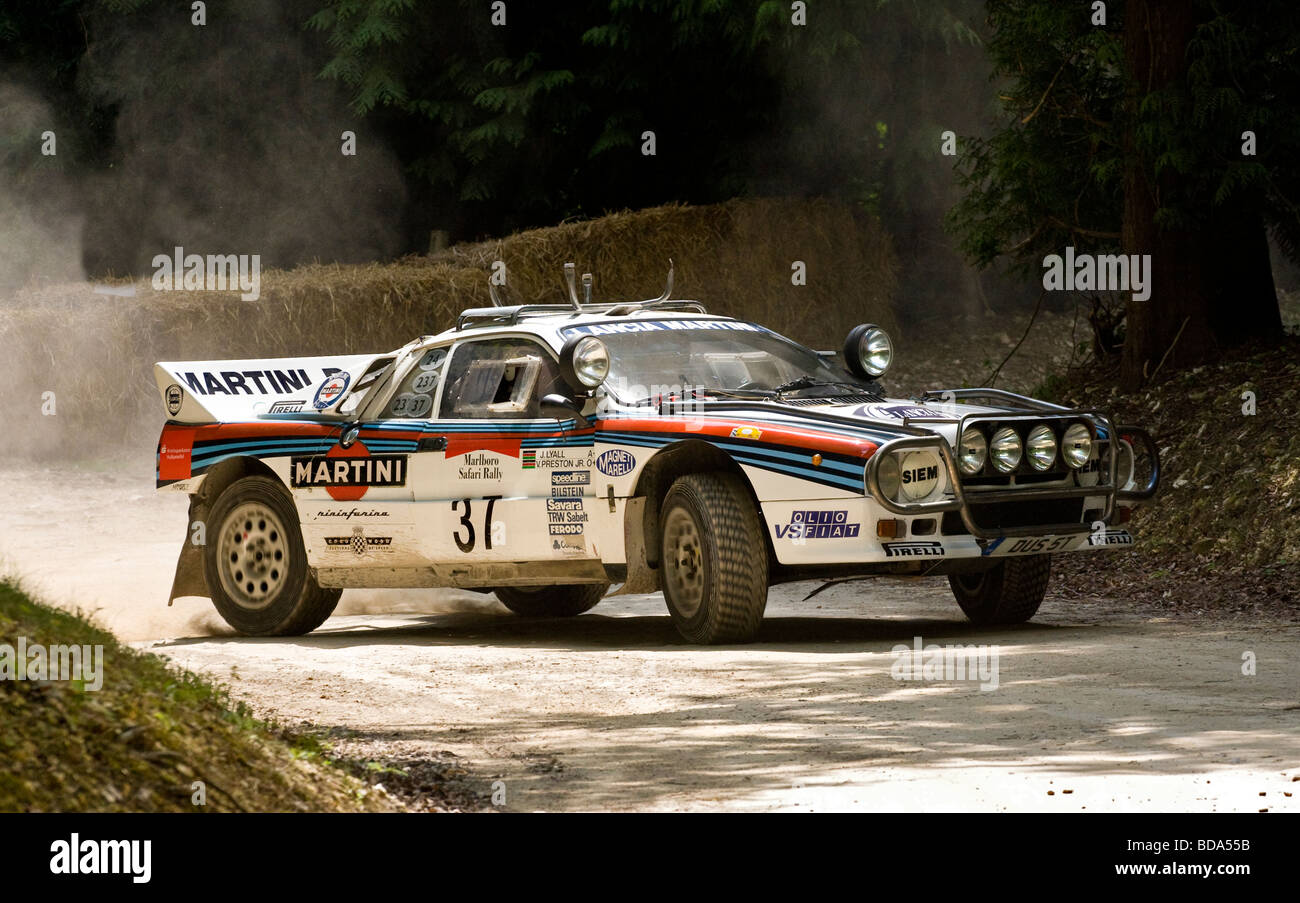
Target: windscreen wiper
x,y
809,382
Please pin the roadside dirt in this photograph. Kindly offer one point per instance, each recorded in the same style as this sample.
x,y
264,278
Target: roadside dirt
x,y
1101,704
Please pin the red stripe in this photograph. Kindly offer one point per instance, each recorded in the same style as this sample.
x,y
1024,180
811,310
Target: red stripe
x,y
721,429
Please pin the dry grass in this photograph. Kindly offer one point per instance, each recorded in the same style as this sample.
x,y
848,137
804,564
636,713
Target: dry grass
x,y
96,352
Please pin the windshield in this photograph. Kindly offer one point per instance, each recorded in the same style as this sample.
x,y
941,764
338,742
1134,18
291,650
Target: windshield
x,y
689,358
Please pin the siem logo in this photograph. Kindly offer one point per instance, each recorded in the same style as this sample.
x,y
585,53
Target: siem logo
x,y
616,462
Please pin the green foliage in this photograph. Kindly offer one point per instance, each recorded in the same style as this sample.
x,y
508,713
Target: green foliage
x,y
141,740
544,119
1052,174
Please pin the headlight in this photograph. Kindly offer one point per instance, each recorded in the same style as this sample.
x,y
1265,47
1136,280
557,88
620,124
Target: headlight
x,y
890,477
1005,450
921,478
1076,445
971,451
590,361
1041,447
868,351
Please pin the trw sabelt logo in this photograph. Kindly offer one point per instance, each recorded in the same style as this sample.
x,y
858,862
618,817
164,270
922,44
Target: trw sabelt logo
x,y
347,473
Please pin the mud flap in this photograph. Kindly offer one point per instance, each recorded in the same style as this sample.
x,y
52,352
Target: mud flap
x,y
190,579
641,578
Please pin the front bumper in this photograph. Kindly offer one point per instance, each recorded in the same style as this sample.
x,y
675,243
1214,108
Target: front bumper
x,y
964,501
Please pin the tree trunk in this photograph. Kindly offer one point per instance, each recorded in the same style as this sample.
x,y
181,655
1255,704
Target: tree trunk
x,y
1173,325
1211,287
1243,298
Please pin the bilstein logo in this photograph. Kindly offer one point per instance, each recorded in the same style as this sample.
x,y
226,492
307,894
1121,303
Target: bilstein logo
x,y
347,473
174,399
912,549
616,463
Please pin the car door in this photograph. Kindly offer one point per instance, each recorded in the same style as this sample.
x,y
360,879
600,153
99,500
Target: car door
x,y
512,483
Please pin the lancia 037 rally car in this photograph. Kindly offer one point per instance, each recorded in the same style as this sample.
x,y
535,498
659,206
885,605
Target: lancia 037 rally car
x,y
545,452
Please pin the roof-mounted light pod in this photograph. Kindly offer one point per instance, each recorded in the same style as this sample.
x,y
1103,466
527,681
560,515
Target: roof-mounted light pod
x,y
584,362
868,351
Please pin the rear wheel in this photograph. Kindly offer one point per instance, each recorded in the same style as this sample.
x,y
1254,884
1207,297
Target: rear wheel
x,y
1008,593
551,601
713,558
256,566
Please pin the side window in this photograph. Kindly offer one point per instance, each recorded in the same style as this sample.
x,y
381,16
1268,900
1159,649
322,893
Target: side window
x,y
414,397
498,378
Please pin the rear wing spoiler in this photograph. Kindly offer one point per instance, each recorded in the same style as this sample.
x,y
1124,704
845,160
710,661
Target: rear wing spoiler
x,y
242,390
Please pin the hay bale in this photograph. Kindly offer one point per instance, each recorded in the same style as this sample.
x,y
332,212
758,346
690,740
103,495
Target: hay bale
x,y
96,352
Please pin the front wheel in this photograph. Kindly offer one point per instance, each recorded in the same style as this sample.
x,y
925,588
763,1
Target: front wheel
x,y
1008,593
256,566
552,601
713,558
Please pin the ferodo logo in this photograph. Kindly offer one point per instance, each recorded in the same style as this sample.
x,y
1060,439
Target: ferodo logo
x,y
920,474
347,473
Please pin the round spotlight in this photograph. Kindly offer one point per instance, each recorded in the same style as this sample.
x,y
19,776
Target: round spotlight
x,y
1005,450
1076,445
1041,447
890,476
588,359
868,351
972,451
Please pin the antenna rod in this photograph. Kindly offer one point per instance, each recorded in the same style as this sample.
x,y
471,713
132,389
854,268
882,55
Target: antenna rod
x,y
571,278
668,289
586,287
492,290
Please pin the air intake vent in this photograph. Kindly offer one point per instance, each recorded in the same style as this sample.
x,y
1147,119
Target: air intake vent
x,y
838,399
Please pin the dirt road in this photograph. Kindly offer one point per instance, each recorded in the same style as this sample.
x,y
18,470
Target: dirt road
x,y
1096,708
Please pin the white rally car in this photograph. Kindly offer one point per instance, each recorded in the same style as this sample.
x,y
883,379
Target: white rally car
x,y
546,452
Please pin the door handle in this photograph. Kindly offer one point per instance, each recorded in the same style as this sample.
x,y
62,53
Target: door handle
x,y
432,443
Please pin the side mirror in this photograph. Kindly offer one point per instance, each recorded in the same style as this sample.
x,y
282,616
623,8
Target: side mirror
x,y
560,406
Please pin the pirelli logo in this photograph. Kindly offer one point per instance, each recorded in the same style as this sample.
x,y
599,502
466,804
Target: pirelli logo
x,y
369,470
912,549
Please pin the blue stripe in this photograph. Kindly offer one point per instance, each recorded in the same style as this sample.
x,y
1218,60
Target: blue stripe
x,y
807,472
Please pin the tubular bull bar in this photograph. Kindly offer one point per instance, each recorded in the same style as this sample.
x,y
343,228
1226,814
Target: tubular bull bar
x,y
1022,409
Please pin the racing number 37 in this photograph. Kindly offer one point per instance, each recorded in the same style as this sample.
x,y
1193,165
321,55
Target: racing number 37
x,y
467,544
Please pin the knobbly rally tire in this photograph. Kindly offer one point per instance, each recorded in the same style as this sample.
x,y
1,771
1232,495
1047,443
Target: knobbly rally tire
x,y
552,601
713,559
1009,593
256,566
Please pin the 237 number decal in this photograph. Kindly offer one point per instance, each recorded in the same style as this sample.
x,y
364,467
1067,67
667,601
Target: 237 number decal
x,y
466,521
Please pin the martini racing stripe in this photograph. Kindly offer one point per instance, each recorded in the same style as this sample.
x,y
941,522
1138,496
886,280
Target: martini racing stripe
x,y
766,456
833,425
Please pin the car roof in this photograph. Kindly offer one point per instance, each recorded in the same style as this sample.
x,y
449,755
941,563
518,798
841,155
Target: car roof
x,y
548,321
